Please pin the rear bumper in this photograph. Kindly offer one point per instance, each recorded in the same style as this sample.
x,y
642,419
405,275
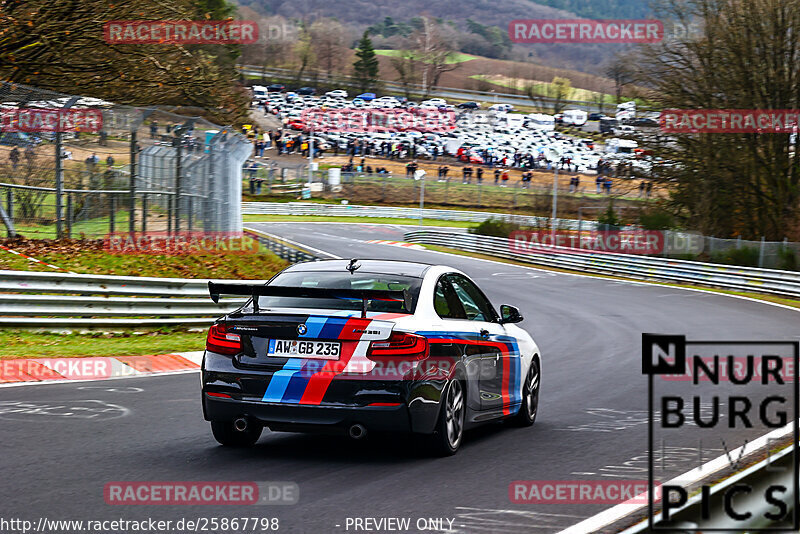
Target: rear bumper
x,y
300,418
414,404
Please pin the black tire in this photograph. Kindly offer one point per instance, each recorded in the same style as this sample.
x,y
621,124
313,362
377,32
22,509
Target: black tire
x,y
225,433
530,396
449,434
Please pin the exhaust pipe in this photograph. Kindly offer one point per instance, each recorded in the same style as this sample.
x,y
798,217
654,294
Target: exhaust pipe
x,y
358,431
240,424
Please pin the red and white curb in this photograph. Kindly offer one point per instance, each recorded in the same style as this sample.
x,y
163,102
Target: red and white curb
x,y
30,258
26,371
395,244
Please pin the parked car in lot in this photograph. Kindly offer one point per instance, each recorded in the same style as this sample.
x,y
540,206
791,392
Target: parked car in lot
x,y
468,105
276,88
306,91
596,116
18,139
366,346
338,93
641,122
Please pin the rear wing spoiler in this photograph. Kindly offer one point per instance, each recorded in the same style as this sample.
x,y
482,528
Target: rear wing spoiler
x,y
255,291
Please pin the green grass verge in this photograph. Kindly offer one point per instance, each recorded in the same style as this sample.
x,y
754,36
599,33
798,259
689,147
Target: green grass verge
x,y
756,296
99,226
456,57
88,257
26,344
365,220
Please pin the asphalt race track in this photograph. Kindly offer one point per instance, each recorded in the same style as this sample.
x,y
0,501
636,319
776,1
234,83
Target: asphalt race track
x,y
591,425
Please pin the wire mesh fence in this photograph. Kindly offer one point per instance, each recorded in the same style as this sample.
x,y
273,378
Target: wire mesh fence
x,y
74,165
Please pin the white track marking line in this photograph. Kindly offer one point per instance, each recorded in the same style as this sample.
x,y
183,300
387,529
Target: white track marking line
x,y
63,382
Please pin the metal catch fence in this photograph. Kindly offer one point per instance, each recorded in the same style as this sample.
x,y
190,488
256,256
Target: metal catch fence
x,y
71,164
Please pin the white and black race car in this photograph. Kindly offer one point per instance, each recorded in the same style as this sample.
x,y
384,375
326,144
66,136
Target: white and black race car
x,y
372,345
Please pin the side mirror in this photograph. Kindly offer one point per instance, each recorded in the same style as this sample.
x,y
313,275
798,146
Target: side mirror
x,y
509,314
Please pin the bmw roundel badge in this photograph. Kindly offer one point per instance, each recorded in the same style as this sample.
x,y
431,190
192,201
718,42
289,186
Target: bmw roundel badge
x,y
302,329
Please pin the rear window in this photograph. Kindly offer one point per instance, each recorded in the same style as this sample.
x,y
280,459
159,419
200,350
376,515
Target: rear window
x,y
345,280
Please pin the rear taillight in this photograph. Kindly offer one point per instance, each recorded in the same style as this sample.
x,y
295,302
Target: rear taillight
x,y
400,345
221,341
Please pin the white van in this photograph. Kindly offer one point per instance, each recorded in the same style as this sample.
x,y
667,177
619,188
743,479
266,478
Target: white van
x,y
541,121
621,146
260,93
575,117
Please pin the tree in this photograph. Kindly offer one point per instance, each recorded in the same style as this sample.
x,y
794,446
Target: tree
x,y
745,57
329,40
304,51
553,95
59,44
620,71
365,67
407,72
434,48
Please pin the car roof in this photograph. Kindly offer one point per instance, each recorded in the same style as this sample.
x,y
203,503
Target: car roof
x,y
396,267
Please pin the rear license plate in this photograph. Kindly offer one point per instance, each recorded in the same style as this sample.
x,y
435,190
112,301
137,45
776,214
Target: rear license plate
x,y
298,348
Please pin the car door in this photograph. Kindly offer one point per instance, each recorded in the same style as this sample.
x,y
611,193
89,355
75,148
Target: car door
x,y
498,352
452,334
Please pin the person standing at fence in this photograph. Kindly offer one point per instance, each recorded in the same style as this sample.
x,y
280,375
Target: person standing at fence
x,y
91,162
30,155
648,189
13,157
599,182
153,129
110,161
479,174
445,170
496,176
504,177
608,184
435,153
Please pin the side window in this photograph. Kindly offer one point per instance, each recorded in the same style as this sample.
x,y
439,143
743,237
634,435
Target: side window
x,y
445,302
475,304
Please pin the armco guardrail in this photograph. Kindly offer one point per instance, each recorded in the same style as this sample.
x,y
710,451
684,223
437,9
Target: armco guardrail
x,y
64,300
353,210
773,282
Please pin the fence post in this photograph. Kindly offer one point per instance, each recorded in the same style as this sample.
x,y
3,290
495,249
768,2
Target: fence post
x,y
178,183
169,214
59,187
189,201
480,195
761,253
10,203
69,215
132,185
144,213
111,220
